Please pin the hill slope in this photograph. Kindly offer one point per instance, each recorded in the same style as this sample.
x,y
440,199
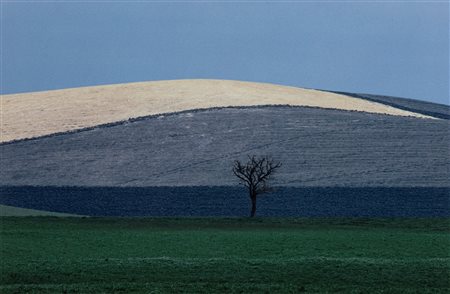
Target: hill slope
x,y
342,155
36,114
318,147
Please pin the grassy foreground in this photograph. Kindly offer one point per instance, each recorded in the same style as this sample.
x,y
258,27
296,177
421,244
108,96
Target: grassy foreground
x,y
210,255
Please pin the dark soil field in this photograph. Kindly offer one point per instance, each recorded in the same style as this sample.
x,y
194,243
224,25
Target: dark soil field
x,y
232,201
209,255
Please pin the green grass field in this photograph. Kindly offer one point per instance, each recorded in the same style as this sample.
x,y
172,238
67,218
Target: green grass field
x,y
210,255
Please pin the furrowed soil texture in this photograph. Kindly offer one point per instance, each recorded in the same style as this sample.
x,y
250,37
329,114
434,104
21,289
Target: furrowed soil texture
x,y
234,255
317,148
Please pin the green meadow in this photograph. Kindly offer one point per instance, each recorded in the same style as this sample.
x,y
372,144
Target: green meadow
x,y
224,255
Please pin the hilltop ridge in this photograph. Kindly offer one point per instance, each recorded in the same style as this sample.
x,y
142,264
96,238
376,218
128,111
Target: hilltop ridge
x,y
36,114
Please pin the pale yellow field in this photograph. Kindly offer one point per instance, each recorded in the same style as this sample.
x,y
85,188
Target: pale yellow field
x,y
34,114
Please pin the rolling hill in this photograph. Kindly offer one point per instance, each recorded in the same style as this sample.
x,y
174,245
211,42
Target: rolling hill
x,y
177,149
41,113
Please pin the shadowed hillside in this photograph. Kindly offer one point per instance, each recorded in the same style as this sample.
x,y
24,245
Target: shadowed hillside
x,y
317,147
230,201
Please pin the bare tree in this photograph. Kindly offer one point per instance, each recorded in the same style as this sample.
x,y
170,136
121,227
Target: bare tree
x,y
255,174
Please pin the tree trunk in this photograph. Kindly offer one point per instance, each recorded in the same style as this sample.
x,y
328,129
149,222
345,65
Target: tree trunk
x,y
252,214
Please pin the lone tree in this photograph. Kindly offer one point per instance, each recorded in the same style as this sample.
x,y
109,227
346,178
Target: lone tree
x,y
255,174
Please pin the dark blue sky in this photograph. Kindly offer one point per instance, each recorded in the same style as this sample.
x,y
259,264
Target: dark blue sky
x,y
399,48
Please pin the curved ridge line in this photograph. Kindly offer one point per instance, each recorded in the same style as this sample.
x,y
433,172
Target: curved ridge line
x,y
194,110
